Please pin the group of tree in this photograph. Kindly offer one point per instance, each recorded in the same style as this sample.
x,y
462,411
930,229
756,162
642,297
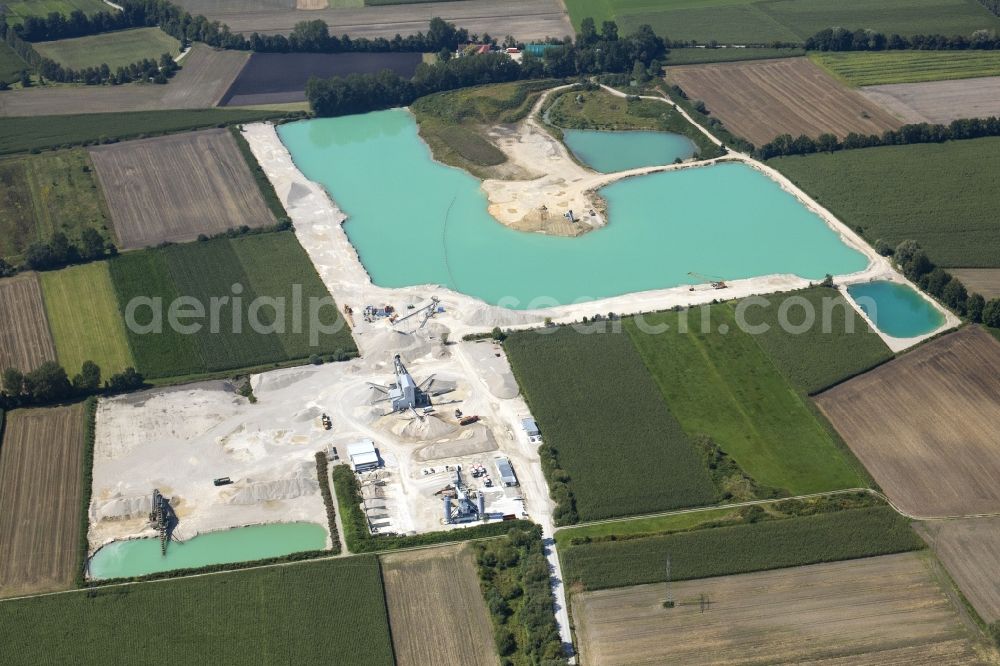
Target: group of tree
x,y
592,53
941,284
147,70
965,128
992,6
59,251
843,39
49,383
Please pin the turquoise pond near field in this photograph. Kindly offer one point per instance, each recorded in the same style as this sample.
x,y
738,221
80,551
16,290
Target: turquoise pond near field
x,y
896,309
137,557
414,221
609,152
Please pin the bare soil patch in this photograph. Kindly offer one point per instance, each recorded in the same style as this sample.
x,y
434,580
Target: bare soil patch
x,y
204,77
970,550
760,100
939,101
174,188
436,609
526,19
924,425
880,610
986,281
40,475
25,340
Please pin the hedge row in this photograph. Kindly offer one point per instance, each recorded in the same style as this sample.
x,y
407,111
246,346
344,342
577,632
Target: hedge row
x,y
323,474
86,485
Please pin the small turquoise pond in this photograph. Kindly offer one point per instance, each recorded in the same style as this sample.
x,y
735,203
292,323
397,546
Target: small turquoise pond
x,y
137,557
896,309
608,152
414,221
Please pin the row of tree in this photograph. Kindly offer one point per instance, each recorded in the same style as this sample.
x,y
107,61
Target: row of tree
x,y
843,39
49,383
941,284
965,128
992,6
59,251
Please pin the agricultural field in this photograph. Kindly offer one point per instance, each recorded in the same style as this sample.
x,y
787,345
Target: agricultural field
x,y
623,451
698,56
175,188
631,527
939,101
318,612
114,49
15,10
278,78
760,100
861,68
266,265
766,21
970,550
527,19
205,75
11,64
827,353
83,315
889,609
924,424
41,195
985,281
889,193
40,471
25,341
743,548
723,386
436,610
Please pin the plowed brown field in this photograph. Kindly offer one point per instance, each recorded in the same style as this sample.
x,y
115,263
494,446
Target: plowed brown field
x,y
762,99
925,425
25,341
970,550
40,479
174,188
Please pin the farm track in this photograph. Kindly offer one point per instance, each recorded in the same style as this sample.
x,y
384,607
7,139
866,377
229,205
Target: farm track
x,y
924,425
760,100
25,339
40,474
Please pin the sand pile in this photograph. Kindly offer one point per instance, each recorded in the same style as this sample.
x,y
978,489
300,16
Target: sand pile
x,y
430,428
255,492
472,440
121,508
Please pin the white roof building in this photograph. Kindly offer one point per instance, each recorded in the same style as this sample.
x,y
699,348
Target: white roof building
x,y
363,455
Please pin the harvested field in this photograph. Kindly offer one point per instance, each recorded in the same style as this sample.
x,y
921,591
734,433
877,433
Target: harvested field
x,y
970,550
986,281
889,609
760,100
279,78
176,187
25,341
114,49
205,75
436,610
939,101
924,425
40,473
527,19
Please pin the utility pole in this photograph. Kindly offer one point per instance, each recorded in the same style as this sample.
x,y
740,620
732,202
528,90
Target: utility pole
x,y
669,601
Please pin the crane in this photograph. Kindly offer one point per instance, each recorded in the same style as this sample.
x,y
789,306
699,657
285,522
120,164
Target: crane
x,y
716,282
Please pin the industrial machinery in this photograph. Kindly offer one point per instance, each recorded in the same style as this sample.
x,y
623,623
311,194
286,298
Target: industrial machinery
x,y
405,394
162,518
716,282
462,508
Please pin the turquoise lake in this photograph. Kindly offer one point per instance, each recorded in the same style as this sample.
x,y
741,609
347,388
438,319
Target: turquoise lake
x,y
136,557
896,309
608,152
414,221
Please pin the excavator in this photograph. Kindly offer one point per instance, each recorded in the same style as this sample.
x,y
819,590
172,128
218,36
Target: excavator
x,y
716,282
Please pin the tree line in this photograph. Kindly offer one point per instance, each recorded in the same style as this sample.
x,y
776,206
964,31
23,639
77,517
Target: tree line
x,y
843,39
49,383
992,6
593,53
941,284
59,251
965,128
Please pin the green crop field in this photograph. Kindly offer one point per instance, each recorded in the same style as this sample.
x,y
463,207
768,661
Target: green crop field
x,y
44,194
765,21
21,134
719,551
319,612
725,386
943,196
700,56
83,314
11,64
825,354
869,69
600,410
634,527
114,49
19,9
265,266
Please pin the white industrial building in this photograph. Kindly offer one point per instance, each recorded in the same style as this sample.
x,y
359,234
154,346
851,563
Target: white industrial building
x,y
506,472
363,456
531,428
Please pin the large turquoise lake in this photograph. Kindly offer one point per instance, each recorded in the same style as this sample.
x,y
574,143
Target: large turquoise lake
x,y
137,557
896,309
414,221
609,152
